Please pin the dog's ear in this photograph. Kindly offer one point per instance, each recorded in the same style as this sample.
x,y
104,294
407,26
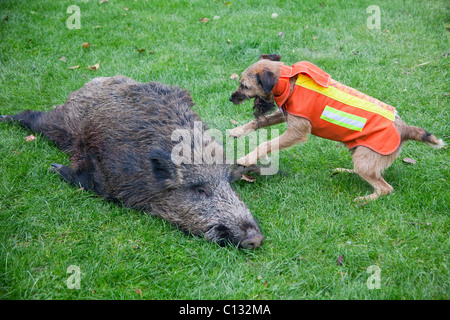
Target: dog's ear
x,y
271,57
267,79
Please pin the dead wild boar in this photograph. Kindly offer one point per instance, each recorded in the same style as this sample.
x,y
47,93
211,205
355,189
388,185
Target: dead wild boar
x,y
118,133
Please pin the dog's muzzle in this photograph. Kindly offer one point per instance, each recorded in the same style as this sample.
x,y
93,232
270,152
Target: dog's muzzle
x,y
238,97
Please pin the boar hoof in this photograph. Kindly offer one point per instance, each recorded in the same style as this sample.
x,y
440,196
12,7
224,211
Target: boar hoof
x,y
63,171
56,166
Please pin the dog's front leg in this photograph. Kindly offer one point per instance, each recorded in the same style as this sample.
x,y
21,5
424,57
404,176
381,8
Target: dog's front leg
x,y
272,119
292,136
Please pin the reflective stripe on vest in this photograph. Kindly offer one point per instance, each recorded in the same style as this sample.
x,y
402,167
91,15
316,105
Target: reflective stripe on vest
x,y
352,97
343,119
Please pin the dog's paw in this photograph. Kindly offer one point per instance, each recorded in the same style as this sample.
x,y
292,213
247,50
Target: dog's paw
x,y
238,132
247,161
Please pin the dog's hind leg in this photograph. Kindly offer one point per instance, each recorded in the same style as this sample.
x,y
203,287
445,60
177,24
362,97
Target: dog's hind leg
x,y
381,187
370,165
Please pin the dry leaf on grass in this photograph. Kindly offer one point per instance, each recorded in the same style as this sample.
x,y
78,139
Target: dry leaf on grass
x,y
86,45
30,138
234,76
63,59
95,67
74,67
138,291
340,259
204,20
248,178
409,160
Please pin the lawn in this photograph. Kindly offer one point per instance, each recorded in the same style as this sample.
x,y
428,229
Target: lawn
x,y
309,219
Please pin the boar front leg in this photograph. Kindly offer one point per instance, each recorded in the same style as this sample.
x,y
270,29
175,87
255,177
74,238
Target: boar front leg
x,y
78,179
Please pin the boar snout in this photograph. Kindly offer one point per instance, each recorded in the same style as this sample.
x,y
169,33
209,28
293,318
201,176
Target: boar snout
x,y
253,242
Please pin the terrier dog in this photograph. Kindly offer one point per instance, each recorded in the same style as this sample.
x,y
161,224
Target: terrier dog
x,y
311,102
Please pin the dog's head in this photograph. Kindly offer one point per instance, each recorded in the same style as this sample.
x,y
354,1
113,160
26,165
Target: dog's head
x,y
257,81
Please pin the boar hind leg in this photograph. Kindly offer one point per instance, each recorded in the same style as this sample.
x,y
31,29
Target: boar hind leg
x,y
28,119
52,125
79,179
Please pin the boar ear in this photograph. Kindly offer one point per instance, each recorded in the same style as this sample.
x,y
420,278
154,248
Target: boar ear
x,y
164,169
272,57
267,79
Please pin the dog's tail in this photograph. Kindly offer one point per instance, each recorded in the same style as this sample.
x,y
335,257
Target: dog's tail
x,y
419,134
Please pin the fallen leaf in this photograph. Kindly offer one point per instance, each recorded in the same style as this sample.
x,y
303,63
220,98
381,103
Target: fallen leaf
x,y
280,34
204,20
422,64
95,67
340,259
140,50
125,8
30,138
74,67
86,45
234,76
138,291
315,38
63,59
409,160
103,1
248,178
216,18
233,121
274,15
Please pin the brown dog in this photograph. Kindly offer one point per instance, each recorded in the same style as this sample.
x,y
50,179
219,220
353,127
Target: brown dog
x,y
258,81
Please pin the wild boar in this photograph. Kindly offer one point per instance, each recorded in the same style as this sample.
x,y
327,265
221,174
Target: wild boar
x,y
118,133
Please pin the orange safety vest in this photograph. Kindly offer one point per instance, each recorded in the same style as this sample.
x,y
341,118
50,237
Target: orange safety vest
x,y
337,112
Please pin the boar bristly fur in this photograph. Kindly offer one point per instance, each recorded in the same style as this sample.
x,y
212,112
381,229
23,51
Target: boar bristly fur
x,y
118,133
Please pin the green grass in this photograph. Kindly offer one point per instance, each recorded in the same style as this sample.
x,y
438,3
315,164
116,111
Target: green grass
x,y
308,218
